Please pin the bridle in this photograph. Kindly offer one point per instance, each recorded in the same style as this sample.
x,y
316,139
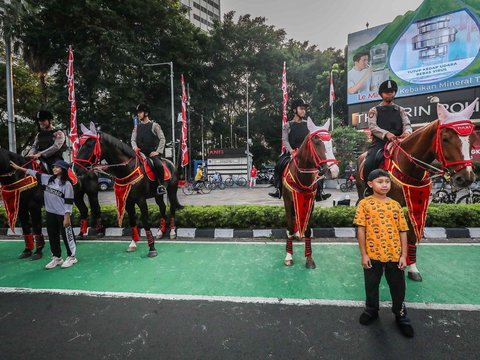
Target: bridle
x,y
93,161
462,128
311,151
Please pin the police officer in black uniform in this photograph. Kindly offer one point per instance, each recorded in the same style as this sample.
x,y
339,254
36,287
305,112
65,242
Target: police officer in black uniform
x,y
294,133
49,143
387,122
148,137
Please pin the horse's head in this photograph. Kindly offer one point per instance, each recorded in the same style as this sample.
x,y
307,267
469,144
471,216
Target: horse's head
x,y
453,143
89,152
322,146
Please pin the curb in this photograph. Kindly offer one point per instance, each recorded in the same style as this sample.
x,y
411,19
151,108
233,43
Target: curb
x,y
437,233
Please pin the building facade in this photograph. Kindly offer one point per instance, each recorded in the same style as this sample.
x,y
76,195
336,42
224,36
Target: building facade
x,y
203,13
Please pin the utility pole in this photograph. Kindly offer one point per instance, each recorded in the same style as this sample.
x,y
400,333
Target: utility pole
x,y
12,140
203,149
189,141
248,138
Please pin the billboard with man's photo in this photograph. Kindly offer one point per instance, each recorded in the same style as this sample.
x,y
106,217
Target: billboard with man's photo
x,y
433,49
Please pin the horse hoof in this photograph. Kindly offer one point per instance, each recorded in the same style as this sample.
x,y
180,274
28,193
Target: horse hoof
x,y
310,264
173,236
25,254
100,235
80,236
152,253
415,276
131,249
37,256
159,235
288,262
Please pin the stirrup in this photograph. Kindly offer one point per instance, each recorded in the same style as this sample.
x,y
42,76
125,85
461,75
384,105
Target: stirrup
x,y
161,190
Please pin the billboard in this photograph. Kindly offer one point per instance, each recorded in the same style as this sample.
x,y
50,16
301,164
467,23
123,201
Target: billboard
x,y
433,49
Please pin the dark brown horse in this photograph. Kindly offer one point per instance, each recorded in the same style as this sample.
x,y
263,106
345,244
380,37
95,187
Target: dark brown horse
x,y
449,140
130,178
313,159
28,195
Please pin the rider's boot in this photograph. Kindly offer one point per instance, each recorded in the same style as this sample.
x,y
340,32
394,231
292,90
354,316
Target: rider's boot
x,y
276,194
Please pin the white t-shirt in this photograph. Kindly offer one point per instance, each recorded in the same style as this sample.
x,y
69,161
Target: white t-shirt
x,y
354,77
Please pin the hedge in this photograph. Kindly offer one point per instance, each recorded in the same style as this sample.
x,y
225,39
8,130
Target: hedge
x,y
261,217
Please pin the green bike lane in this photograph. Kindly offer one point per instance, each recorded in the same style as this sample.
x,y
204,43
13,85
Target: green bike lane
x,y
244,270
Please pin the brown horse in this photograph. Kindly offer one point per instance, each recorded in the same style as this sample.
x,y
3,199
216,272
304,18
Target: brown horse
x,y
449,140
132,186
313,159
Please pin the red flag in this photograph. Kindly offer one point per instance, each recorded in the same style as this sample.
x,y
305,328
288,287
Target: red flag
x,y
73,135
332,91
285,96
184,161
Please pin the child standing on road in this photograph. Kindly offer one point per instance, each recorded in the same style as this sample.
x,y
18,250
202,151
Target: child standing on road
x,y
253,177
382,238
58,196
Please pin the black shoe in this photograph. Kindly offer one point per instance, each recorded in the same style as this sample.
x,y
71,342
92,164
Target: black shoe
x,y
321,197
276,194
404,325
367,318
161,190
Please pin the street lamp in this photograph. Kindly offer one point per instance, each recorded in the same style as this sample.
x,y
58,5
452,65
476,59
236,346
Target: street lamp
x,y
173,113
248,137
12,141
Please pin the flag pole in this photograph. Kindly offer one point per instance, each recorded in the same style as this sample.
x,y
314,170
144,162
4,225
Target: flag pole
x,y
331,106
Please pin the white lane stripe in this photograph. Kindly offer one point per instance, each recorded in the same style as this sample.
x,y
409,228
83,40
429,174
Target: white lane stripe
x,y
235,299
267,242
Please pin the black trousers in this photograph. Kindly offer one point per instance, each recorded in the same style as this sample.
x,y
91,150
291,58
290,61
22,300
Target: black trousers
x,y
158,168
281,163
396,282
54,229
370,163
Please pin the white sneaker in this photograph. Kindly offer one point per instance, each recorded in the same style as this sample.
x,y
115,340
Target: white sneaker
x,y
54,262
69,261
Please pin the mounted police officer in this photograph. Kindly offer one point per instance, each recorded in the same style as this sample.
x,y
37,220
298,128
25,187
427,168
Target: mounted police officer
x,y
148,138
294,133
49,143
387,122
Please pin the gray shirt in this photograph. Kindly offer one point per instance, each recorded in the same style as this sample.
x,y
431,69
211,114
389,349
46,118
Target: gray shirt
x,y
57,145
58,197
157,131
378,131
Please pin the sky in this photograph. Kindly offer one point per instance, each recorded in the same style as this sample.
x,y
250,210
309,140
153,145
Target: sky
x,y
324,23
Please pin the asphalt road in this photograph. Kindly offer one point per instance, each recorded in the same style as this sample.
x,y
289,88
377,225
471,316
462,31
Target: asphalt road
x,y
43,326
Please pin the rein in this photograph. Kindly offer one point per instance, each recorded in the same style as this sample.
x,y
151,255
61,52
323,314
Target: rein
x,y
462,128
311,151
93,161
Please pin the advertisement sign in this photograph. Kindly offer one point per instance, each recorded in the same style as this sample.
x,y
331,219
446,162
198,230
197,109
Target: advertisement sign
x,y
431,50
421,109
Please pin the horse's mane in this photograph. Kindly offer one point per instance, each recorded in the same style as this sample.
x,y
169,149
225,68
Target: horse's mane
x,y
6,156
124,148
418,132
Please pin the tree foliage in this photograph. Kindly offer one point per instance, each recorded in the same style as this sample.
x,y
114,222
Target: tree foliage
x,y
114,39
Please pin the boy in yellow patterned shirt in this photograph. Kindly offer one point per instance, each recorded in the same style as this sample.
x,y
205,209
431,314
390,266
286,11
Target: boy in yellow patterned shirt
x,y
382,238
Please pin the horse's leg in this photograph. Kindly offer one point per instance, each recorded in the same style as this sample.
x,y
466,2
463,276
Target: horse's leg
x,y
23,216
174,206
309,263
287,200
36,216
132,219
78,198
163,217
142,204
413,272
96,212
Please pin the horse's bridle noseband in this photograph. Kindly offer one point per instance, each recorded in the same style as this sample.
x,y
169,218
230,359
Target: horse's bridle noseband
x,y
94,157
462,128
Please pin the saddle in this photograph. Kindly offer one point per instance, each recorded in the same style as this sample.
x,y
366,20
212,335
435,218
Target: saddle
x,y
149,167
379,160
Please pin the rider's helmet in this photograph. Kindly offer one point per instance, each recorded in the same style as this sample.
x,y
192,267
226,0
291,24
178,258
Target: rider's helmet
x,y
44,115
387,86
299,102
143,108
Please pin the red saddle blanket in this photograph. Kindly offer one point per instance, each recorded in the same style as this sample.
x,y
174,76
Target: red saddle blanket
x,y
151,174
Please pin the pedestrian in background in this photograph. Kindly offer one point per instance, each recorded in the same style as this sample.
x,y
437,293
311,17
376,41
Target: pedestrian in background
x,y
382,238
253,176
58,196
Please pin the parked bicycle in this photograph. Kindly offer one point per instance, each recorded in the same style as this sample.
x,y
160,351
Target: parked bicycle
x,y
447,194
349,185
237,180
